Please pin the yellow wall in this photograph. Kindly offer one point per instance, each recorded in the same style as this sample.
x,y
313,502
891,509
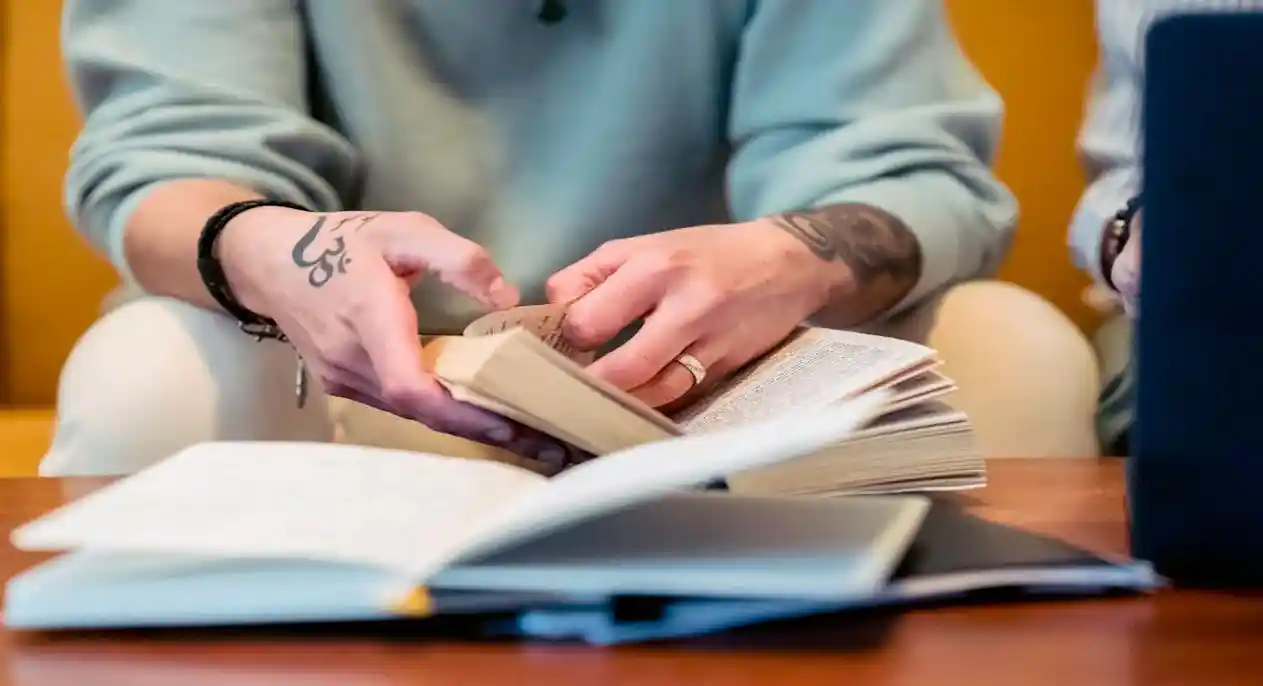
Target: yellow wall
x,y
1038,54
50,281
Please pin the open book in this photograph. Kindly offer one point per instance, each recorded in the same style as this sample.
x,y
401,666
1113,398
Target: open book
x,y
266,531
517,363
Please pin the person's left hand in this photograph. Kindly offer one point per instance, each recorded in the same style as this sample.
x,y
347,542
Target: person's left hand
x,y
724,294
1126,271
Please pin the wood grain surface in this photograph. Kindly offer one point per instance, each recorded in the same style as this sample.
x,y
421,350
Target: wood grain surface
x,y
1172,637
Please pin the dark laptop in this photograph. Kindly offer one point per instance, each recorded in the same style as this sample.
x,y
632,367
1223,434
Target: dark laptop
x,y
1195,477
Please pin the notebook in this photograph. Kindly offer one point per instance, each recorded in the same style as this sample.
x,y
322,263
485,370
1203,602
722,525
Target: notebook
x,y
1193,475
274,532
955,558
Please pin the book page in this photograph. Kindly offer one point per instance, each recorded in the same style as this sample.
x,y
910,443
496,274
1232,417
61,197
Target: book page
x,y
520,376
653,469
922,415
544,321
812,369
402,511
477,399
919,389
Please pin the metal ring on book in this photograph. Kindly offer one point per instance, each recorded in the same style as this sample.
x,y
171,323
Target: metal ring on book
x,y
694,367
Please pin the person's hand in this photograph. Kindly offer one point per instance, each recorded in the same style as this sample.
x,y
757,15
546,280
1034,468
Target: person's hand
x,y
724,294
1125,272
338,284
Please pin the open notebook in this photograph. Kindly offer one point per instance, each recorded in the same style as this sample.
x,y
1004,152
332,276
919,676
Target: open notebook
x,y
232,533
517,363
956,557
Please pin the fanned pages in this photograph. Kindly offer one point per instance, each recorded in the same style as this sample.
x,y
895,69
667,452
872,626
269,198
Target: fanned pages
x,y
517,363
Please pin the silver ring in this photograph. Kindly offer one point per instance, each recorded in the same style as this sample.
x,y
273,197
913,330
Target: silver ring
x,y
694,367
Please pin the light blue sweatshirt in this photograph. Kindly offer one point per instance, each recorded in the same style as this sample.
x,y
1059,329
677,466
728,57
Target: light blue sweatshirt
x,y
539,141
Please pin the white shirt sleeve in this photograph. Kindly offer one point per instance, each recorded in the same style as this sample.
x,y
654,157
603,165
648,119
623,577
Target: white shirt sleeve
x,y
1109,141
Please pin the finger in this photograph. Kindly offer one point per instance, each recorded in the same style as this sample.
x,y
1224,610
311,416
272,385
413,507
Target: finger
x,y
537,446
581,277
455,260
577,456
438,410
675,381
1129,257
340,390
655,345
334,380
1126,268
355,394
352,384
625,296
1127,264
387,326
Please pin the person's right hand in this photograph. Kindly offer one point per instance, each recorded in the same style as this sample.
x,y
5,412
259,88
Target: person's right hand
x,y
1125,272
337,284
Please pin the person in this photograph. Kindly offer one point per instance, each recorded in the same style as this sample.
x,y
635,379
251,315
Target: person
x,y
346,175
1106,227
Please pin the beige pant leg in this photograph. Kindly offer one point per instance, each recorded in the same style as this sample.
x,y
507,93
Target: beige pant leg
x,y
1028,377
154,375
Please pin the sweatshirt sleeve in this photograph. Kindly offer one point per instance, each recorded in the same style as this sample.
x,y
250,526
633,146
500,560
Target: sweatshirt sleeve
x,y
173,89
871,101
1110,136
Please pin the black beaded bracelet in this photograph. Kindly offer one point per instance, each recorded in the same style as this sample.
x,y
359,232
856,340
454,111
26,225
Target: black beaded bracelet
x,y
212,272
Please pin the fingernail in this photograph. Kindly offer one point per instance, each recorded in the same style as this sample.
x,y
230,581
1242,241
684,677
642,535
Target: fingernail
x,y
552,455
501,434
501,293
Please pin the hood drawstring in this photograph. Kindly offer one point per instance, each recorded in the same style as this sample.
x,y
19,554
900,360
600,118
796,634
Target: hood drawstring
x,y
551,11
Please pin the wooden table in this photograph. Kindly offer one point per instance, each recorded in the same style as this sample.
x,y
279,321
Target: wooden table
x,y
1192,638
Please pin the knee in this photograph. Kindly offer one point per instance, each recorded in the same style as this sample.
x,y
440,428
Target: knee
x,y
1009,320
1027,375
155,375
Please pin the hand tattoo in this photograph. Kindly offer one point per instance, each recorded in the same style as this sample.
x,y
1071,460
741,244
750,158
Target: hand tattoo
x,y
882,254
334,259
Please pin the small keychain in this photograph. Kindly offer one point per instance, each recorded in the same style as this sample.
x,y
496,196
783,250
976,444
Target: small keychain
x,y
300,383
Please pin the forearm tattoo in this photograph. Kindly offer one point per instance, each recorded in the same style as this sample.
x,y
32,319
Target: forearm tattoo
x,y
882,254
330,256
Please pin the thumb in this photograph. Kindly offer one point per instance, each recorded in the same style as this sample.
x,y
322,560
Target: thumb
x,y
576,280
455,260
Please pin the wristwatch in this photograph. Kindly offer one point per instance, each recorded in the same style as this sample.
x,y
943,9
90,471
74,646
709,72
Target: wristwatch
x,y
1117,231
